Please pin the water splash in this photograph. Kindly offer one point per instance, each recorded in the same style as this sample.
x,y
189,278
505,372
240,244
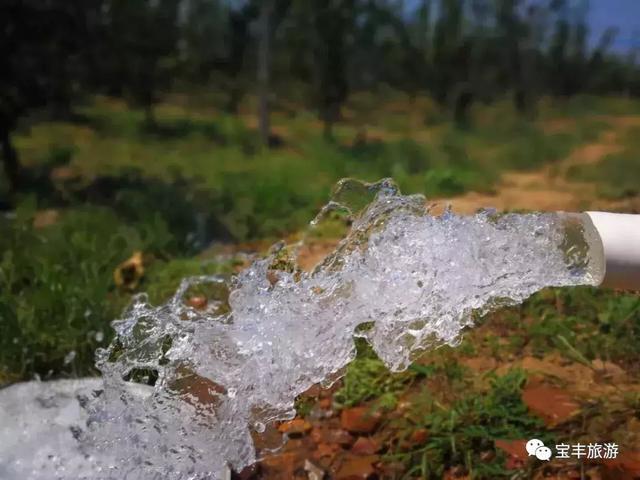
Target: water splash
x,y
403,279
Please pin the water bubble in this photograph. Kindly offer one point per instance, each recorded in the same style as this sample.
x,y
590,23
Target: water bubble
x,y
69,357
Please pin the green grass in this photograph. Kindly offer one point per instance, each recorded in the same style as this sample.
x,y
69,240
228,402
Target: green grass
x,y
57,291
461,430
593,323
56,287
367,378
206,161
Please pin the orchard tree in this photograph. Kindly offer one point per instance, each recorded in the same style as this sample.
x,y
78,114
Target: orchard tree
x,y
334,20
143,41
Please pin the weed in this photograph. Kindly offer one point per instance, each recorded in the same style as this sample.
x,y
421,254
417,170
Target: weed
x,y
460,432
368,378
56,287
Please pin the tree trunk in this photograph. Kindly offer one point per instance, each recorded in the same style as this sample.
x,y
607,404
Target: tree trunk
x,y
264,66
10,160
330,115
149,116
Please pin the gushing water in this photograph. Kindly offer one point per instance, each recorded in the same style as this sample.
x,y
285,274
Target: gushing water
x,y
403,279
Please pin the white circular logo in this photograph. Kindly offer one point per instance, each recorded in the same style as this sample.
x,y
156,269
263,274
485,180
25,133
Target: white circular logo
x,y
533,445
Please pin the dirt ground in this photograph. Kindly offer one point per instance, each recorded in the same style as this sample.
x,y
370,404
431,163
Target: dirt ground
x,y
549,189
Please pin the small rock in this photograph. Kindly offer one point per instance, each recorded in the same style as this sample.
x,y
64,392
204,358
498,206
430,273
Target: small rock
x,y
198,302
359,419
456,473
272,277
419,436
332,435
198,390
248,473
403,406
313,391
609,371
326,450
280,466
313,472
625,466
392,469
297,426
356,467
365,446
516,452
551,404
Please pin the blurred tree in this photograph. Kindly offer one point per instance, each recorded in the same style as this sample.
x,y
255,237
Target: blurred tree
x,y
264,69
205,30
42,50
143,41
239,39
334,21
457,51
514,33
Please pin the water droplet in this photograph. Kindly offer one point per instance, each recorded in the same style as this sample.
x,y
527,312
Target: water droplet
x,y
69,357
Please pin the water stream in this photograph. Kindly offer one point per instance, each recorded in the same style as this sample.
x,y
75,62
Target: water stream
x,y
183,388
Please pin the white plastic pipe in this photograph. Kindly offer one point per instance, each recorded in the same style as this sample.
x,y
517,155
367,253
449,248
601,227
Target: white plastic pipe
x,y
620,235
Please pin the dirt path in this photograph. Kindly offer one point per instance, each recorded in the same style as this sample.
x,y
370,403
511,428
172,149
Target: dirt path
x,y
549,189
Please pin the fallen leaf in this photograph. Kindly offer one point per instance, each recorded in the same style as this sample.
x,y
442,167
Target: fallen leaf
x,y
128,274
365,446
359,419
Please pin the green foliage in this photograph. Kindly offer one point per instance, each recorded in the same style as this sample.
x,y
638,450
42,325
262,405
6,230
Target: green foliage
x,y
368,378
304,405
594,323
56,287
458,433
